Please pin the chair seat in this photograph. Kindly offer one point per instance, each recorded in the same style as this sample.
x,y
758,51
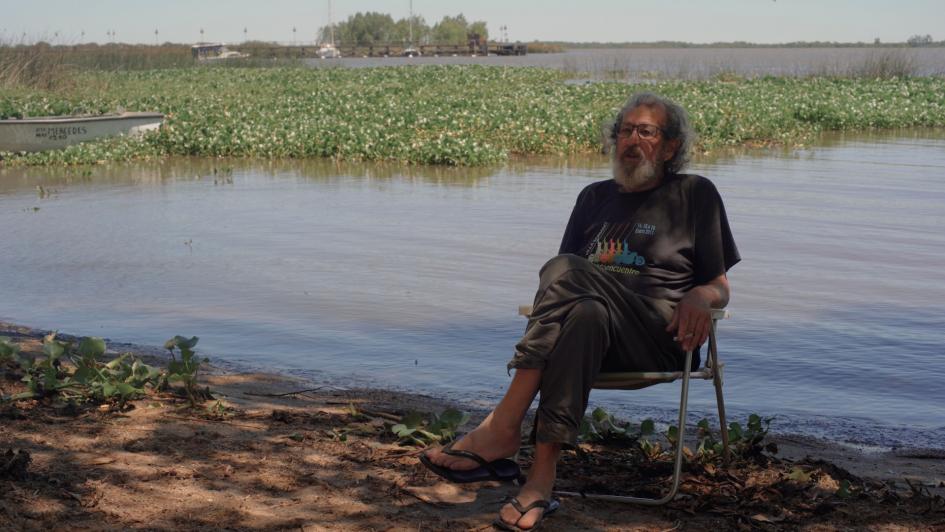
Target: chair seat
x,y
641,379
634,380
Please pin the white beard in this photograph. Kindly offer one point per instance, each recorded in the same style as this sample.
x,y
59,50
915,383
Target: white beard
x,y
644,176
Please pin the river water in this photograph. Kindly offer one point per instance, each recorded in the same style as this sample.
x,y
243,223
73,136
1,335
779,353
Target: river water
x,y
638,64
409,278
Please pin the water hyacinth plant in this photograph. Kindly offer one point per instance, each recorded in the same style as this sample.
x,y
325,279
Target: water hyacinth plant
x,y
86,378
448,114
425,428
77,372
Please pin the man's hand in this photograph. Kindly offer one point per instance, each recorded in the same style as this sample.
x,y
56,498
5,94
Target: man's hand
x,y
693,315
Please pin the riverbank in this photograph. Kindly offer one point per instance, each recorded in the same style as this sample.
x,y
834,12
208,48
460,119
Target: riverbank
x,y
275,454
467,115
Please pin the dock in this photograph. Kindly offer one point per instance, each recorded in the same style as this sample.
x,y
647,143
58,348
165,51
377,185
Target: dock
x,y
388,50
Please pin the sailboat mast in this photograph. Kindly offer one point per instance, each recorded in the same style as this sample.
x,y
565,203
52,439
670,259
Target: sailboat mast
x,y
410,22
331,22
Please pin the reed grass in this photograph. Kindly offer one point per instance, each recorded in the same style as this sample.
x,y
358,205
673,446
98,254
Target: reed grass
x,y
46,67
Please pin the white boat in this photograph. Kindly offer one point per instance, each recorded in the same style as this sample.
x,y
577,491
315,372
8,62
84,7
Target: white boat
x,y
208,52
55,132
224,55
328,51
410,50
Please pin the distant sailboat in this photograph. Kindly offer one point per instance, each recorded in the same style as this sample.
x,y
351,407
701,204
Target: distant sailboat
x,y
328,50
410,50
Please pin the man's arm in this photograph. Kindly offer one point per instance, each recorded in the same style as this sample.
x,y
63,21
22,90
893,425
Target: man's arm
x,y
692,317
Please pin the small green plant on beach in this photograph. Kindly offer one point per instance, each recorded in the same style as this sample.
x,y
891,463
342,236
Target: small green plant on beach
x,y
422,429
743,441
75,371
603,426
117,380
650,450
122,378
185,369
8,350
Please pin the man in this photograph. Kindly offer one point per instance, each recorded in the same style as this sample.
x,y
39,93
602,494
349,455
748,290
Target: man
x,y
642,263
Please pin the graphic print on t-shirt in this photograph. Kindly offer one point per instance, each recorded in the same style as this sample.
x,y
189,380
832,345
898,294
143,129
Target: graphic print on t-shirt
x,y
611,248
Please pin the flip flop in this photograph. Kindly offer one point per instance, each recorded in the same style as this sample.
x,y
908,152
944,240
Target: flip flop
x,y
503,469
548,507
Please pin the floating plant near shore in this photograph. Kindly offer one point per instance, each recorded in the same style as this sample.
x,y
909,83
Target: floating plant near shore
x,y
449,115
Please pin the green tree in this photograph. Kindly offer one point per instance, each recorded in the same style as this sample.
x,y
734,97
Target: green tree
x,y
450,30
363,29
479,28
420,30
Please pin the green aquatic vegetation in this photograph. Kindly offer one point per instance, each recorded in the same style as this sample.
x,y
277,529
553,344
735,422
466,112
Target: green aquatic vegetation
x,y
8,350
418,428
185,368
448,114
743,441
603,426
86,378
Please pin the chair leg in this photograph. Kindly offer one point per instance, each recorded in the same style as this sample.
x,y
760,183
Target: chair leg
x,y
719,399
677,466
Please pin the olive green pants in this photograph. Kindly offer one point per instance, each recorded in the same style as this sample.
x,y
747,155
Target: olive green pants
x,y
584,320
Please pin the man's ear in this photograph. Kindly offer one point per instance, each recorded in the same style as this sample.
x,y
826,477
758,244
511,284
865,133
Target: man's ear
x,y
673,146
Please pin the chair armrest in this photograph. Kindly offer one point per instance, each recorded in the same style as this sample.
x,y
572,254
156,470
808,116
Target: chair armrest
x,y
717,313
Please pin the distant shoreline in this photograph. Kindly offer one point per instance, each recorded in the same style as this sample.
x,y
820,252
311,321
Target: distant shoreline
x,y
734,44
568,45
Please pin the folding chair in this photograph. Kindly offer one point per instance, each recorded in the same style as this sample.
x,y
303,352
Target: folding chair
x,y
711,369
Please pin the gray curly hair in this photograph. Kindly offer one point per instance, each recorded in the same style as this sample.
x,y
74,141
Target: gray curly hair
x,y
677,127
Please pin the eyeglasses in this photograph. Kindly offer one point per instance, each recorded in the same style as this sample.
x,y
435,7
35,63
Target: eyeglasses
x,y
646,131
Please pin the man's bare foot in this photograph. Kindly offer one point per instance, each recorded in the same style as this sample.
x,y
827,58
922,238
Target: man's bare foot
x,y
535,489
487,440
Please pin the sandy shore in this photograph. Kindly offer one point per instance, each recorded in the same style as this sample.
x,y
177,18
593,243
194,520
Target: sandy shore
x,y
283,456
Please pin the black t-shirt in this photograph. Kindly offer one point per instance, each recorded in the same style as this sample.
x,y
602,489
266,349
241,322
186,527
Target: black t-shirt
x,y
661,242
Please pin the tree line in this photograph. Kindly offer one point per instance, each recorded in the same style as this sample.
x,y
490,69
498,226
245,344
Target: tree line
x,y
372,28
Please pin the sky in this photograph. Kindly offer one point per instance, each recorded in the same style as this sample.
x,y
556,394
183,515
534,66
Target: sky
x,y
698,21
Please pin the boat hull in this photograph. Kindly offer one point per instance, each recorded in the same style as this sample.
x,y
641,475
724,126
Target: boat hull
x,y
53,133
